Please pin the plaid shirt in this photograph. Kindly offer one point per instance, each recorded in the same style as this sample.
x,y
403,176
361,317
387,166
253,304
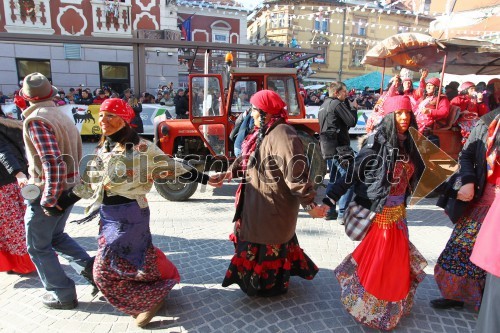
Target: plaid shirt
x,y
46,146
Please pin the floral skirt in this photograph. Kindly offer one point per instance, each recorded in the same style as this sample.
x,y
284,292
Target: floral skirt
x,y
13,252
466,126
379,279
456,276
134,293
265,269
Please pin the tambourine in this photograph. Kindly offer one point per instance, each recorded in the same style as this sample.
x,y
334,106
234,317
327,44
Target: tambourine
x,y
30,192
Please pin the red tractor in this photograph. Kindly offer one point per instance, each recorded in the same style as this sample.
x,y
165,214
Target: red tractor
x,y
203,139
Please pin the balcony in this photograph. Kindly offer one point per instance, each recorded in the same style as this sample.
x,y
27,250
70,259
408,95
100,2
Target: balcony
x,y
28,16
112,20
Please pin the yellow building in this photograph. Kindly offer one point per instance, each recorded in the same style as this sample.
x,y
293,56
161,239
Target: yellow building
x,y
342,30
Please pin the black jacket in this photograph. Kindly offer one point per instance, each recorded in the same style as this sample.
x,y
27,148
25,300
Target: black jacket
x,y
335,119
12,153
372,175
136,122
472,158
181,106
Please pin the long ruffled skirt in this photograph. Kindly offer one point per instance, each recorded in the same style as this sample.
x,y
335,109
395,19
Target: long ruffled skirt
x,y
379,279
129,288
265,269
13,252
456,276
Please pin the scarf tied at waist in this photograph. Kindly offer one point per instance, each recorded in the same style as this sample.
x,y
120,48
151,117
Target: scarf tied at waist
x,y
125,228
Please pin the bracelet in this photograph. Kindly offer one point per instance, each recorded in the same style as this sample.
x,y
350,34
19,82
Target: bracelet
x,y
310,207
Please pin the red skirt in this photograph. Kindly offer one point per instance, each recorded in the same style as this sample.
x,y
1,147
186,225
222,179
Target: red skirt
x,y
13,253
379,280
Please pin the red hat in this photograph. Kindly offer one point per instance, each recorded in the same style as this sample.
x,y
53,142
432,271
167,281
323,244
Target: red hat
x,y
119,107
269,102
466,85
407,79
434,81
396,103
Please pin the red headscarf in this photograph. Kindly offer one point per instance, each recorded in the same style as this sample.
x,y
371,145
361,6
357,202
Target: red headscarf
x,y
396,103
118,107
269,102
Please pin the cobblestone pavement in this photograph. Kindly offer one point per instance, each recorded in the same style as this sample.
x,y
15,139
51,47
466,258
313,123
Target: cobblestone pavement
x,y
194,235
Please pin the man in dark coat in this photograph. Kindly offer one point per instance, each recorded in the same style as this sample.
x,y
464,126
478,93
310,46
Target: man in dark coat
x,y
181,105
335,119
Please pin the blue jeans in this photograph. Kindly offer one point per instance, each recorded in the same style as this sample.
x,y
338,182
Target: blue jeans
x,y
44,237
336,170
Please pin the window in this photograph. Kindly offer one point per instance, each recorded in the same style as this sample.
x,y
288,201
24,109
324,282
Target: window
x,y
285,87
28,66
240,100
357,57
278,21
320,58
220,31
219,37
115,76
360,27
321,24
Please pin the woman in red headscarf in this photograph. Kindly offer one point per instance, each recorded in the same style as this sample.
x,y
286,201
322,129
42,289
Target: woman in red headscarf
x,y
275,183
471,106
428,110
379,279
132,274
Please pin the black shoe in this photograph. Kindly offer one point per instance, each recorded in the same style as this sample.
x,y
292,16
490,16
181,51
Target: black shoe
x,y
87,273
331,216
443,303
50,302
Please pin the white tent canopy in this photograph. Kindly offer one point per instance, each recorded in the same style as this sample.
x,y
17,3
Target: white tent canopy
x,y
315,87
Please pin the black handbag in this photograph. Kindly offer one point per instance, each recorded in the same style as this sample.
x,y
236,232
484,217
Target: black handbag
x,y
453,207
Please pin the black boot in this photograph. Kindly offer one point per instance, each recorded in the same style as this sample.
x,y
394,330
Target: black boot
x,y
88,275
443,303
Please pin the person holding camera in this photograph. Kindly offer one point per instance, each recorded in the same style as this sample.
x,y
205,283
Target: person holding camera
x,y
335,119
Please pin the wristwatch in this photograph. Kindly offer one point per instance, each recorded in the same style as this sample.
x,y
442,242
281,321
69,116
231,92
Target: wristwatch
x,y
310,207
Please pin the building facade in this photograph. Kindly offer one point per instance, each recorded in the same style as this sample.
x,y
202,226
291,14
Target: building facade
x,y
343,31
71,65
209,21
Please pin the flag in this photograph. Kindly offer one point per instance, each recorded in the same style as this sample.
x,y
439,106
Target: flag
x,y
185,28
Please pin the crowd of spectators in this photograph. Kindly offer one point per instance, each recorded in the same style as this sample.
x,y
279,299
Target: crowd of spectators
x,y
365,99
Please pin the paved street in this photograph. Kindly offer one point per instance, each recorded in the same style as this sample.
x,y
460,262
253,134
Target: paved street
x,y
194,235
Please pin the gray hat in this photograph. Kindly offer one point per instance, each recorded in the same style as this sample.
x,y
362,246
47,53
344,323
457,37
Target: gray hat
x,y
37,88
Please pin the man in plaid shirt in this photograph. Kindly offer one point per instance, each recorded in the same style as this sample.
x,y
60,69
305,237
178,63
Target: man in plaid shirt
x,y
54,148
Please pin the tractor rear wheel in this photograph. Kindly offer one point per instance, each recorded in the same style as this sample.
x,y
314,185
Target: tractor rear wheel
x,y
176,190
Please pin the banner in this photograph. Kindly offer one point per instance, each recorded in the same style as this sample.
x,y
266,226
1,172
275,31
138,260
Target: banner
x,y
86,117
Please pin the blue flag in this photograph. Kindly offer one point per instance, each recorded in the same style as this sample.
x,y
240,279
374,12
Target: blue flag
x,y
186,28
